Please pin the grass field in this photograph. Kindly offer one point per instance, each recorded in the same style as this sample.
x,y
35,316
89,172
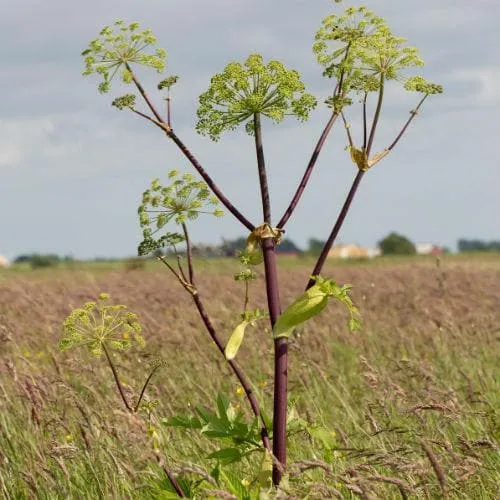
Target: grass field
x,y
410,402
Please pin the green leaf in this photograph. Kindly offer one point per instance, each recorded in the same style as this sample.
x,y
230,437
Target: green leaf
x,y
235,340
225,411
312,302
323,435
234,485
182,421
227,456
308,305
265,476
215,473
213,425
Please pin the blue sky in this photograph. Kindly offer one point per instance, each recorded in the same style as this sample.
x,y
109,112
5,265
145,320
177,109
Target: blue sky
x,y
72,168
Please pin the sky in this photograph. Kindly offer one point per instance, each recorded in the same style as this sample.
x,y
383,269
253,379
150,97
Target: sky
x,y
73,168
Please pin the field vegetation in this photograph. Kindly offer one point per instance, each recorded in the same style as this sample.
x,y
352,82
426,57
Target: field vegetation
x,y
405,408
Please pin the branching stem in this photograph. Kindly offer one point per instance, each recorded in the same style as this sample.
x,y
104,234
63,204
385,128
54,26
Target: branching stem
x,y
144,387
117,380
143,93
365,123
413,114
376,117
316,152
336,228
308,171
189,253
159,122
211,184
242,378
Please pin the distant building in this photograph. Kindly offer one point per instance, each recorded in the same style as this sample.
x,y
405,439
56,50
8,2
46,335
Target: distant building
x,y
4,261
348,252
288,253
428,249
374,252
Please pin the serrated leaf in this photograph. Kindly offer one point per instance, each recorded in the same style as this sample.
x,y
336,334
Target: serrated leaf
x,y
182,421
265,476
224,408
325,436
234,485
308,305
235,340
227,456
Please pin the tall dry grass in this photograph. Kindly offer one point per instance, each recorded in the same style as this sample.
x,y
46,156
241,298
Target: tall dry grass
x,y
412,399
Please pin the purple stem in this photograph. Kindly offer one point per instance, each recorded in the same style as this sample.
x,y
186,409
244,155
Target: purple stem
x,y
245,383
336,228
308,171
273,302
210,182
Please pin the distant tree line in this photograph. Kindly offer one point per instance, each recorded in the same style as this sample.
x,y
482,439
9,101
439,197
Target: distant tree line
x,y
37,260
392,244
465,245
397,244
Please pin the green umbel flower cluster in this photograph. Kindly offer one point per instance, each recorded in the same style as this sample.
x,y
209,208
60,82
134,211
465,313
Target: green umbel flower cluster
x,y
125,101
96,326
245,275
168,83
419,84
243,90
359,47
118,46
185,199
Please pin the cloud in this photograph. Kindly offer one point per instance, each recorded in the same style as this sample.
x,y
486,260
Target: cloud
x,y
62,144
485,79
21,137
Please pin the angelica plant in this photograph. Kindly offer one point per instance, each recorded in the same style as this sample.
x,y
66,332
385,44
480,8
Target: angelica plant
x,y
359,56
99,327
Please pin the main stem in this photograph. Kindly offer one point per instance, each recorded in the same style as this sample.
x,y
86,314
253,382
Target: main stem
x,y
273,302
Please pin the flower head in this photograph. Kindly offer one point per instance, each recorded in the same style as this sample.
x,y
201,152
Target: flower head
x,y
242,90
116,48
184,199
96,325
358,48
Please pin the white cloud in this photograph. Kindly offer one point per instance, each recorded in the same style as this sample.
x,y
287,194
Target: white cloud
x,y
486,78
52,136
65,140
20,136
9,155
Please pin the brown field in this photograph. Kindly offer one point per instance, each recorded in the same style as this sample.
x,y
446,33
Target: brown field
x,y
412,397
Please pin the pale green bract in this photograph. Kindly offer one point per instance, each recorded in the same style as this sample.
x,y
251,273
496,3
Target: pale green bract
x,y
236,339
243,90
312,302
96,325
